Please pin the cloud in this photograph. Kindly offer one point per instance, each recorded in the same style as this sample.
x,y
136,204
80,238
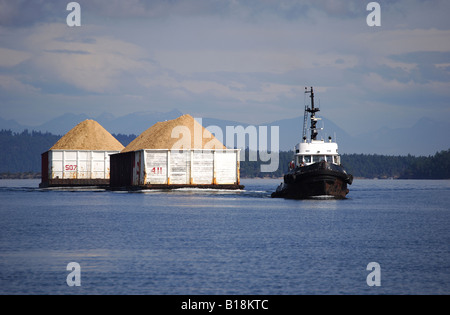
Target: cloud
x,y
428,66
67,51
12,86
240,59
12,57
23,13
417,67
94,66
423,57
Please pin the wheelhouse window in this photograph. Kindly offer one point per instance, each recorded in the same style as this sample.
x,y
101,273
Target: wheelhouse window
x,y
336,159
308,159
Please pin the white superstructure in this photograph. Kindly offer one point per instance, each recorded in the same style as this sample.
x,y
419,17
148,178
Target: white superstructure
x,y
314,151
307,153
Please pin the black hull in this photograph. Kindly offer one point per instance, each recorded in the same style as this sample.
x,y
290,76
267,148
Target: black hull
x,y
317,180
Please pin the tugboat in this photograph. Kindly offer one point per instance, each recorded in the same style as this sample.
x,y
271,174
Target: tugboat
x,y
316,171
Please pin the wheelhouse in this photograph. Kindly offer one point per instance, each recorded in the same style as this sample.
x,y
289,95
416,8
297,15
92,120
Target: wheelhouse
x,y
307,153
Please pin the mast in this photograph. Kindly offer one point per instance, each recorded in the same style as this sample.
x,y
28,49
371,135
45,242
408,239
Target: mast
x,y
312,110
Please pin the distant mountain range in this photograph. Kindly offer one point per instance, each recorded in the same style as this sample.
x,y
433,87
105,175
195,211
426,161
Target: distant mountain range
x,y
426,137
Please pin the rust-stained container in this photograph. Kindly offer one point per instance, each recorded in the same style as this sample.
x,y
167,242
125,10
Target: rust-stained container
x,y
75,168
173,154
163,168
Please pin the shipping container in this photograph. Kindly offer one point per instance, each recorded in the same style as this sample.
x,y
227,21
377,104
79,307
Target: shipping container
x,y
162,168
76,168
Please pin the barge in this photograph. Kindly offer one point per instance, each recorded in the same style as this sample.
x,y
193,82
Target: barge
x,y
174,154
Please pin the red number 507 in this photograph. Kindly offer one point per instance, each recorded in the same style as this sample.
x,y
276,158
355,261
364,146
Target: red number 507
x,y
71,167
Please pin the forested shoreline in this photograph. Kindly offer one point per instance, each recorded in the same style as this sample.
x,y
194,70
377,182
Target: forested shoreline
x,y
370,166
21,158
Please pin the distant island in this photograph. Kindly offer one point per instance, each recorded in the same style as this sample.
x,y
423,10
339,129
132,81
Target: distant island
x,y
21,158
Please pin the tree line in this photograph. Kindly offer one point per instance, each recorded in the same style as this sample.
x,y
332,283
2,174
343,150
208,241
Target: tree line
x,y
21,151
368,166
21,158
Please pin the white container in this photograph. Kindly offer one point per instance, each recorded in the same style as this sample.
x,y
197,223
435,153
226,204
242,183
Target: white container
x,y
187,167
79,164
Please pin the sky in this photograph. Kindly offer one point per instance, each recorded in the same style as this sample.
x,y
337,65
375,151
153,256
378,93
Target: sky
x,y
241,60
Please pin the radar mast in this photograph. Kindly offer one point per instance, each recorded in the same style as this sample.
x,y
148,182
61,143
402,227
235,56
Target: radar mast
x,y
312,110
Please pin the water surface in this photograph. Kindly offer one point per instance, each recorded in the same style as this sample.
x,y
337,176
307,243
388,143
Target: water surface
x,y
192,241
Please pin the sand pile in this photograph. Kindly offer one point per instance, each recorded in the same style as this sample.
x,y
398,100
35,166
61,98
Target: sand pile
x,y
88,135
182,133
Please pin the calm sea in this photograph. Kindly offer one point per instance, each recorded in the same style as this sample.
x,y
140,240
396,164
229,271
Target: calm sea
x,y
222,242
